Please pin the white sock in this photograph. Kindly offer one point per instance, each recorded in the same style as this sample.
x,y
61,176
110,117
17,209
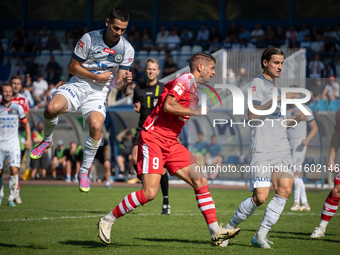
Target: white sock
x,y
110,217
49,126
213,228
296,189
13,185
246,209
323,223
18,189
68,176
303,193
272,213
90,150
2,195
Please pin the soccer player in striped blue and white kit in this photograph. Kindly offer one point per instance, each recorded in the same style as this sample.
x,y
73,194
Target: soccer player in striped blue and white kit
x,y
10,114
270,155
101,58
298,141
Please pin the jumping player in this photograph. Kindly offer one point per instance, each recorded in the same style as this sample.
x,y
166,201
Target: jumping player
x,y
331,204
9,140
298,141
101,58
269,148
145,98
158,148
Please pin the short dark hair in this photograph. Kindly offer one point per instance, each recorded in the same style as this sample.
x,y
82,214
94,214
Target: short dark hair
x,y
199,56
119,13
5,84
294,86
267,54
15,77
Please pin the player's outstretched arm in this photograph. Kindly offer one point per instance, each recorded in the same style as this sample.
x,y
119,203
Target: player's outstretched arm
x,y
124,78
335,144
78,70
28,135
171,105
314,130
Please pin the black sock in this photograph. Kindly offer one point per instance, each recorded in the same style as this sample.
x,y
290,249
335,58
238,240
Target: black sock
x,y
165,188
135,167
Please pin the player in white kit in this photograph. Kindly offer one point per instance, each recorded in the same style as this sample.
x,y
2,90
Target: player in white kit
x,y
270,156
298,141
101,58
10,113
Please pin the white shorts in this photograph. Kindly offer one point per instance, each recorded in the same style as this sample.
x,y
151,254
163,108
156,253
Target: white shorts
x,y
263,164
12,155
298,155
85,98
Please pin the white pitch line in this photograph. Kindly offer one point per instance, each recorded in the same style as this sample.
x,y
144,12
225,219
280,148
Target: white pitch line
x,y
152,214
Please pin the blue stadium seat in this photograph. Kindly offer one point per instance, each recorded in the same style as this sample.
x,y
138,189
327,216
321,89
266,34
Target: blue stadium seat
x,y
308,160
233,159
322,105
312,106
334,105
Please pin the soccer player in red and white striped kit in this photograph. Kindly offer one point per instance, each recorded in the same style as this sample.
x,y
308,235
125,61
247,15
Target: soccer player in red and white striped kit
x,y
331,204
159,148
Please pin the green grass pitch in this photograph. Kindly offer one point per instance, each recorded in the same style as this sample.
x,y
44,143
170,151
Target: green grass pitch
x,y
61,220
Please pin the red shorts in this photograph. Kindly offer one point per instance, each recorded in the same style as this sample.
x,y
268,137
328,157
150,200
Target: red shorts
x,y
155,153
337,179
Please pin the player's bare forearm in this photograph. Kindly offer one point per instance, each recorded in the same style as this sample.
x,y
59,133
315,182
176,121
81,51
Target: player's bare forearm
x,y
120,84
171,105
314,130
266,106
124,78
335,144
76,69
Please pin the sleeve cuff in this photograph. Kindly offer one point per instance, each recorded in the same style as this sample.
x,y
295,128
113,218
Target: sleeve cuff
x,y
78,58
255,102
127,68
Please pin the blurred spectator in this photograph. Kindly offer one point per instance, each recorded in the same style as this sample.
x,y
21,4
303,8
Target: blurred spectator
x,y
236,44
131,34
67,43
103,155
336,33
32,68
303,32
130,88
214,34
28,88
202,34
227,43
2,54
125,151
49,92
15,48
233,32
328,33
59,160
41,163
61,82
291,34
214,46
44,30
316,89
244,34
161,38
53,71
84,30
306,43
169,65
200,149
314,33
247,45
53,42
214,155
186,35
147,42
240,78
337,65
293,43
173,41
269,34
280,35
332,90
257,34
316,67
137,71
43,41
40,86
76,35
74,158
231,77
175,27
328,72
32,42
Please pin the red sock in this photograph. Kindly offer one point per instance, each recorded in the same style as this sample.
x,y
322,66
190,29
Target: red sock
x,y
330,207
206,204
129,203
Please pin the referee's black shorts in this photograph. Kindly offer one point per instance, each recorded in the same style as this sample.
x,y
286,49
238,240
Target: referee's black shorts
x,y
136,138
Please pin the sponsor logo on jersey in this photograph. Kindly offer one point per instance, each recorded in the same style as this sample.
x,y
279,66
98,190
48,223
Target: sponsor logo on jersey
x,y
119,58
111,51
179,88
7,109
130,59
80,44
254,88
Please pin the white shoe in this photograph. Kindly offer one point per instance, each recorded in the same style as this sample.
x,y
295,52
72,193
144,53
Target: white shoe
x,y
295,207
260,241
18,199
318,232
224,234
104,228
305,207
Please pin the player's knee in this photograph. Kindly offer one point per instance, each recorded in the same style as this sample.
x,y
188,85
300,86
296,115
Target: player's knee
x,y
336,190
259,199
199,182
51,109
150,194
96,126
284,191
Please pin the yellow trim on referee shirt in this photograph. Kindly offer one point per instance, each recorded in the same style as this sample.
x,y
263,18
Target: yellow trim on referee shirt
x,y
149,102
157,91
